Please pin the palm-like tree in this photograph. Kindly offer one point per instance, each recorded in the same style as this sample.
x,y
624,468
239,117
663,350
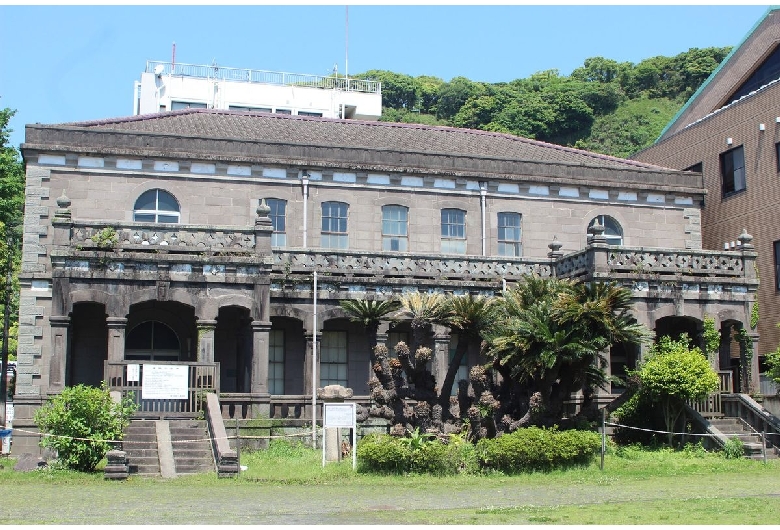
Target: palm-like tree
x,y
551,335
467,316
370,313
423,310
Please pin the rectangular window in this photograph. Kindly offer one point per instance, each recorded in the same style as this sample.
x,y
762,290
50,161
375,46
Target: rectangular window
x,y
283,111
276,362
696,168
509,234
394,228
777,265
393,338
453,231
179,105
278,221
248,109
334,225
732,170
333,358
463,367
313,114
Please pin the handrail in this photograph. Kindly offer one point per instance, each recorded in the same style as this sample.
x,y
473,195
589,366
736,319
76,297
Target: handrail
x,y
225,73
226,459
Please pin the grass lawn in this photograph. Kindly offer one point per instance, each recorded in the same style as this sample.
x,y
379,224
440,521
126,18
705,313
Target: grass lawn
x,y
288,485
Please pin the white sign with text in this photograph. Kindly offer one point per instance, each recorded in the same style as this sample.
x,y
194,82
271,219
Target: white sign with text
x,y
164,381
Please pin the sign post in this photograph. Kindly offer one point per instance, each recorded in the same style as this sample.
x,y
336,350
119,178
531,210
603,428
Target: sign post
x,y
340,415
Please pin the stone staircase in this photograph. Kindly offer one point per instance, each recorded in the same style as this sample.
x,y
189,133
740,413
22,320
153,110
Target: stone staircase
x,y
140,444
733,427
168,448
191,447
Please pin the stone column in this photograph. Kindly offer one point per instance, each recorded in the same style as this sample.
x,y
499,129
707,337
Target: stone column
x,y
441,354
60,326
116,338
260,340
206,340
307,375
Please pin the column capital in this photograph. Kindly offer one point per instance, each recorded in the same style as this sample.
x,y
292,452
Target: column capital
x,y
116,322
59,321
206,324
260,325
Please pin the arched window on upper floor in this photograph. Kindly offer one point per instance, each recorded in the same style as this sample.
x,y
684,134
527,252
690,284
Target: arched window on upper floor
x,y
156,206
612,229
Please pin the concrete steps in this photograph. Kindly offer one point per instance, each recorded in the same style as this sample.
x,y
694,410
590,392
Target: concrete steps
x,y
734,428
191,447
140,444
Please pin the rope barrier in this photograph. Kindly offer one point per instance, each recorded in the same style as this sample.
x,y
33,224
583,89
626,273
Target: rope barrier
x,y
208,439
660,432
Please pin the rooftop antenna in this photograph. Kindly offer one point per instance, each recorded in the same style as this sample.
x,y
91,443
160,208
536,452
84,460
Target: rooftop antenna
x,y
346,61
173,58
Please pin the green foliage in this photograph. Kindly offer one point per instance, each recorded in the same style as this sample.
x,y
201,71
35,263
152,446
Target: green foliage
x,y
734,448
673,373
550,335
81,422
382,453
772,360
711,337
106,239
537,449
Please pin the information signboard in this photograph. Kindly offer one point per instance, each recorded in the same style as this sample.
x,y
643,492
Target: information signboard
x,y
164,381
339,415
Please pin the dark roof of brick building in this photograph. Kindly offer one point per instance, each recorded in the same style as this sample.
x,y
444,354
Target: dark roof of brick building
x,y
411,138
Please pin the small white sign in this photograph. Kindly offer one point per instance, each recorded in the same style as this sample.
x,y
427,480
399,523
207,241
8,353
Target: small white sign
x,y
9,412
164,381
339,415
133,373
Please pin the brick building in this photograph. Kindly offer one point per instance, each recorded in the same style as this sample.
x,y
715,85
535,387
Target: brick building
x,y
729,131
194,238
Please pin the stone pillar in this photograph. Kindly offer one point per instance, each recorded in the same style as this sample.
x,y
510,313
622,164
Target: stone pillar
x,y
116,338
263,229
599,250
206,340
260,339
60,326
755,379
333,394
62,222
307,375
441,355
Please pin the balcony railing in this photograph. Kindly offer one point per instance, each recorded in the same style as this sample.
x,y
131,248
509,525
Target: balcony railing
x,y
201,378
223,73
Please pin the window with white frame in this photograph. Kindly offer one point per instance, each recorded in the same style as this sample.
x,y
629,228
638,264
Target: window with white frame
x,y
453,231
278,215
276,362
334,225
394,228
179,105
156,206
333,358
612,229
509,235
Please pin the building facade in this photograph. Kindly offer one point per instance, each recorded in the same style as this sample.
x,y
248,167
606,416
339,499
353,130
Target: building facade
x,y
166,86
196,238
729,131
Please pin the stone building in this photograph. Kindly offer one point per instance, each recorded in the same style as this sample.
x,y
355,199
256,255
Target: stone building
x,y
729,131
195,237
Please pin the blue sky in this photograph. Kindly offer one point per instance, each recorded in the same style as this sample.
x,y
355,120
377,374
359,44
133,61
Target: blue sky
x,y
61,63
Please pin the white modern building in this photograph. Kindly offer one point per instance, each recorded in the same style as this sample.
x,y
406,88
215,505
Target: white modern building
x,y
166,86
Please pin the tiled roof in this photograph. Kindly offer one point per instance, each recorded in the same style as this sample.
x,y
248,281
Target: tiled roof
x,y
385,136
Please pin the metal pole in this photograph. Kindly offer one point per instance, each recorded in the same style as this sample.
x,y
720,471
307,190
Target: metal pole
x,y
6,320
238,447
763,445
603,435
314,367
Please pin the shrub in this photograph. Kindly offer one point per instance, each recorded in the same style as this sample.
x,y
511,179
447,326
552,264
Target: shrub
x,y
382,453
537,449
80,422
734,448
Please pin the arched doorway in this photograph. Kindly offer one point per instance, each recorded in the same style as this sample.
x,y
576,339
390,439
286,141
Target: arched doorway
x,y
152,341
233,348
89,344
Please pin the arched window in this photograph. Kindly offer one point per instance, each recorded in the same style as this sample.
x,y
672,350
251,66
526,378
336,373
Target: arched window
x,y
152,341
156,206
612,230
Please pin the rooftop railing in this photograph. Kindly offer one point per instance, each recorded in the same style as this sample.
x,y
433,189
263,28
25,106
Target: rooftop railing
x,y
223,73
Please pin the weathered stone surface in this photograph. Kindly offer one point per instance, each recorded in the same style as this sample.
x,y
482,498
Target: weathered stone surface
x,y
29,462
